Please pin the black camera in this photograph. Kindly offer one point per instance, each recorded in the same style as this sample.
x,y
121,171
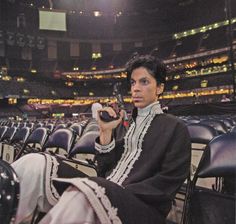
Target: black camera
x,y
116,91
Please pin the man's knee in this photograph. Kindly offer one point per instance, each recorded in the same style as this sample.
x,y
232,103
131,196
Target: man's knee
x,y
30,164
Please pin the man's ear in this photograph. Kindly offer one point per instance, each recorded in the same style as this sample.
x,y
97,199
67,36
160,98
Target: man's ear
x,y
160,89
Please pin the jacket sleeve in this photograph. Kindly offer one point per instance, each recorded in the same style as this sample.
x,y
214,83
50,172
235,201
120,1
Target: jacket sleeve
x,y
106,160
106,157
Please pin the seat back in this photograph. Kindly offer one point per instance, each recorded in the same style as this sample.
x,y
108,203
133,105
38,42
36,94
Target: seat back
x,y
219,126
62,138
200,135
228,123
77,128
9,134
38,136
22,125
92,125
11,148
59,126
192,121
3,129
38,125
86,144
21,135
233,129
65,139
9,191
219,157
207,206
35,142
50,127
30,125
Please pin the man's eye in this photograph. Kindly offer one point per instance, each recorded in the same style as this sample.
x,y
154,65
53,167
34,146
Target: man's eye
x,y
144,81
132,82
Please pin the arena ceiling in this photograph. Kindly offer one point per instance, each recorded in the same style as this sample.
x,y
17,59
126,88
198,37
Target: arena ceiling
x,y
170,15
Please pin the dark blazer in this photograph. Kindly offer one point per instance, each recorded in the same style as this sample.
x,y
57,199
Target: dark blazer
x,y
156,175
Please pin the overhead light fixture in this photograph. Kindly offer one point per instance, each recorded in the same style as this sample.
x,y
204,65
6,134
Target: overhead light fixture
x,y
97,13
96,55
33,71
119,14
75,68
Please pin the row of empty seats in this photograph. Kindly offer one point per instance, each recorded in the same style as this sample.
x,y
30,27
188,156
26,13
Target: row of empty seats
x,y
213,161
211,139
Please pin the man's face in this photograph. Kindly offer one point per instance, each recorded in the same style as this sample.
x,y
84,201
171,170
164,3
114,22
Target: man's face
x,y
144,88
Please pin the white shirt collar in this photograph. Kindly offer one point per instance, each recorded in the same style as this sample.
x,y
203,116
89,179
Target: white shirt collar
x,y
153,108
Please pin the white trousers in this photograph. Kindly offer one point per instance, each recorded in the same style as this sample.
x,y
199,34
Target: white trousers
x,y
72,207
30,171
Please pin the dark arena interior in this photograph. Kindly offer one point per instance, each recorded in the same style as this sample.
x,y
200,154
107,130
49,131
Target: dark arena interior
x,y
59,58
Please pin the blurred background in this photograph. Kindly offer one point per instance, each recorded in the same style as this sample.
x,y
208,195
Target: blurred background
x,y
58,57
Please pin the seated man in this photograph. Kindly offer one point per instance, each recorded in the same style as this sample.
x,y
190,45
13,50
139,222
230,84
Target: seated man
x,y
138,176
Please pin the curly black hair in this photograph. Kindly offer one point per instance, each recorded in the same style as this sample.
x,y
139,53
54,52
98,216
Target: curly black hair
x,y
153,64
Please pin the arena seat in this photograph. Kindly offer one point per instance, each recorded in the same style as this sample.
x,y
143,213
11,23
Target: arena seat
x,y
233,129
50,127
59,126
208,206
78,128
38,125
60,141
86,144
3,129
200,135
12,147
35,142
9,193
219,126
91,126
8,135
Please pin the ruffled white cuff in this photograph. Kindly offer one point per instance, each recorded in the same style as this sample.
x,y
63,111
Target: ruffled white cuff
x,y
105,148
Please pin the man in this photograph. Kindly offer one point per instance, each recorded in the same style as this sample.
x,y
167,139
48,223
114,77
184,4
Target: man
x,y
138,176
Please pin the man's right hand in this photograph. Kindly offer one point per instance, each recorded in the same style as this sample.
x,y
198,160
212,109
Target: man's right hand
x,y
107,127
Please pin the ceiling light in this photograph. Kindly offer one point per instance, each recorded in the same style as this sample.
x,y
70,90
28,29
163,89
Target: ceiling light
x,y
97,13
